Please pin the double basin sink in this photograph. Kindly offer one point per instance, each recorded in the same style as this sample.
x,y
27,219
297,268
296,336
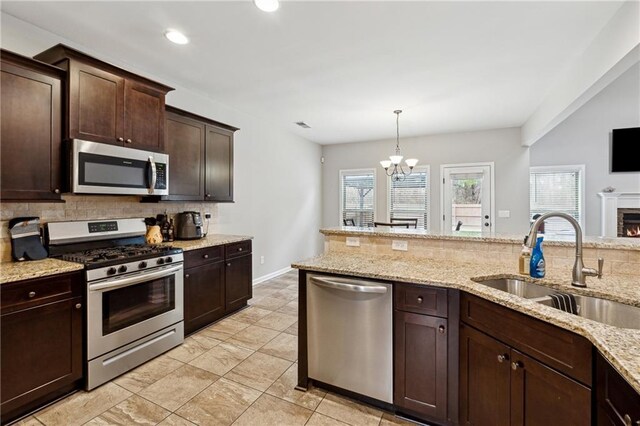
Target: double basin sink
x,y
594,308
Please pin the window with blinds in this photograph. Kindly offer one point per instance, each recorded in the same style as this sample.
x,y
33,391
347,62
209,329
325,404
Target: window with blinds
x,y
409,199
557,189
357,196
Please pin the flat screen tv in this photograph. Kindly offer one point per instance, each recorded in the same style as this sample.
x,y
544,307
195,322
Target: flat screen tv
x,y
625,150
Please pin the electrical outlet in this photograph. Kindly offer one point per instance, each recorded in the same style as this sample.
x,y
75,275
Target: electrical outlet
x,y
262,260
504,213
353,241
207,215
402,245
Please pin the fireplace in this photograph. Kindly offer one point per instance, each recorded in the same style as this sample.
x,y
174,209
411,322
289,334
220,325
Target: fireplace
x,y
629,223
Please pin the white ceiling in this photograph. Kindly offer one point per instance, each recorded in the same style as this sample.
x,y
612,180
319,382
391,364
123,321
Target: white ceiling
x,y
343,67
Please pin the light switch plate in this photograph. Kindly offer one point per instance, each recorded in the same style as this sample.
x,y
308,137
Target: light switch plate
x,y
504,213
402,245
353,241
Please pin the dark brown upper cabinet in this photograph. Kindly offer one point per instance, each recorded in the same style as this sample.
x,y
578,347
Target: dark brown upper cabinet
x,y
107,104
31,129
200,157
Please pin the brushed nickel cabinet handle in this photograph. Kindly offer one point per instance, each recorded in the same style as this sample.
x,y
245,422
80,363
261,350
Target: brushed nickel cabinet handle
x,y
206,256
207,195
627,420
32,294
516,364
239,248
187,275
503,358
441,329
229,264
120,139
57,191
419,299
128,141
78,305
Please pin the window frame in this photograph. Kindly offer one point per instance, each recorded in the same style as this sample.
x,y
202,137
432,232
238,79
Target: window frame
x,y
427,169
581,169
352,172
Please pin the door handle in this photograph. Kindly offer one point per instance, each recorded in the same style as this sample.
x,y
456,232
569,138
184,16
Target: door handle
x,y
349,285
154,175
125,282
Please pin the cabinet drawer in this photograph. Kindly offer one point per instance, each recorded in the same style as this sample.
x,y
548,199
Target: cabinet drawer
x,y
199,257
563,350
617,400
421,299
238,249
24,294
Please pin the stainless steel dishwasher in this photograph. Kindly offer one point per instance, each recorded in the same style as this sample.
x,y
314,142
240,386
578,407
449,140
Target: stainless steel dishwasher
x,y
349,332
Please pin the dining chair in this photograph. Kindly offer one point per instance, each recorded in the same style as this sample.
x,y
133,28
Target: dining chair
x,y
392,225
348,222
412,221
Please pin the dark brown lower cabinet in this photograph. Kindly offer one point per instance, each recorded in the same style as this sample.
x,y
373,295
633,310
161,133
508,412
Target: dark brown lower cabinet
x,y
203,295
217,282
502,386
41,342
238,282
618,404
421,364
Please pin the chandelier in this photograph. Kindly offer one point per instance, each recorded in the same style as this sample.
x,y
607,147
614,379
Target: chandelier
x,y
397,172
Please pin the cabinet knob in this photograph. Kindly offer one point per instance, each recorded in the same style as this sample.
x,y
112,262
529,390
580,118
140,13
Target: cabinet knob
x,y
186,275
503,357
419,299
239,248
78,305
228,263
207,195
441,329
627,420
516,364
128,141
32,294
57,190
120,139
206,256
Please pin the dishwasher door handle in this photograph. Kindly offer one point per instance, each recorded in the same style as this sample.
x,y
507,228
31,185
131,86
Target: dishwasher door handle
x,y
346,286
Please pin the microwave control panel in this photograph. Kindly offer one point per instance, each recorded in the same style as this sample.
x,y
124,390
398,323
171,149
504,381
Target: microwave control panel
x,y
161,176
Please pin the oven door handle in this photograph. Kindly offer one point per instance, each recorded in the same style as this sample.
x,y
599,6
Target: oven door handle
x,y
124,282
154,175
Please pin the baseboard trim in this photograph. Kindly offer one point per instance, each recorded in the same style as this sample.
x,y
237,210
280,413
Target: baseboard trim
x,y
272,275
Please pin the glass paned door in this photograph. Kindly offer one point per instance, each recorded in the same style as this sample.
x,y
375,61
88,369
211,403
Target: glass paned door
x,y
467,200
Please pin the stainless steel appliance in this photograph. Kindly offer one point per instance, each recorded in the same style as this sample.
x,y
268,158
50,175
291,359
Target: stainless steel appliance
x,y
189,226
98,168
349,332
134,293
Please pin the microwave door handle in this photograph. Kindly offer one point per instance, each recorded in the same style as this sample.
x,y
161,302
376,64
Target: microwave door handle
x,y
154,175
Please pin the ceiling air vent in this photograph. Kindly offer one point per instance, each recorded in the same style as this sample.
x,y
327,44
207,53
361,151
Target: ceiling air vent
x,y
303,124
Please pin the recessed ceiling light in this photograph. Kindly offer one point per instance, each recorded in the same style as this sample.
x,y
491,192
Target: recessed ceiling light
x,y
267,5
176,36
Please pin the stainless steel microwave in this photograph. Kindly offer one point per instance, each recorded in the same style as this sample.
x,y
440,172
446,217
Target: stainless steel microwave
x,y
98,168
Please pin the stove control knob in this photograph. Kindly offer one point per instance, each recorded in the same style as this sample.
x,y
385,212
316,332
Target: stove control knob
x,y
160,262
142,265
123,268
169,259
111,271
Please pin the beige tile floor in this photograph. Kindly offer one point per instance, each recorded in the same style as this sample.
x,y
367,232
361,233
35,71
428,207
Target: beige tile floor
x,y
241,371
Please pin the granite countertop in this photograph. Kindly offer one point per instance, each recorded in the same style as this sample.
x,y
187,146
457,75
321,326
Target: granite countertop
x,y
619,346
560,241
208,241
18,271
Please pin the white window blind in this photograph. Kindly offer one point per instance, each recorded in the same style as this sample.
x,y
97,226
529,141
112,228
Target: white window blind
x,y
557,189
357,196
409,199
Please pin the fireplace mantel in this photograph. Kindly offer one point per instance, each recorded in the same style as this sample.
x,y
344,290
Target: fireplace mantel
x,y
610,203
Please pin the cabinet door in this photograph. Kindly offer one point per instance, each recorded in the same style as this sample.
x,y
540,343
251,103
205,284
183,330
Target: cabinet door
x,y
218,165
31,135
185,146
96,104
421,364
238,282
543,396
143,117
618,402
203,295
484,379
41,353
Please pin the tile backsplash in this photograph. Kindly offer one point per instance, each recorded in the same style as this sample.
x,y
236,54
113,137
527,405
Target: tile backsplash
x,y
88,207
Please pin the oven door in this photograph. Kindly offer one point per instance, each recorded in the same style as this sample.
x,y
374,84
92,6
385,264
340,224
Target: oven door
x,y
124,309
98,168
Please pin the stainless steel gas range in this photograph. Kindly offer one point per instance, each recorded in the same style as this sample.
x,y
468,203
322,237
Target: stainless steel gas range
x,y
134,292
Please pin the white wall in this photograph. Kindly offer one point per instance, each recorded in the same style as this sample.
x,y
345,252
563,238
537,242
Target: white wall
x,y
584,138
501,146
277,174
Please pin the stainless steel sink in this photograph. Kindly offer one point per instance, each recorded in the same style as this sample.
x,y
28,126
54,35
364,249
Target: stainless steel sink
x,y
518,287
604,311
